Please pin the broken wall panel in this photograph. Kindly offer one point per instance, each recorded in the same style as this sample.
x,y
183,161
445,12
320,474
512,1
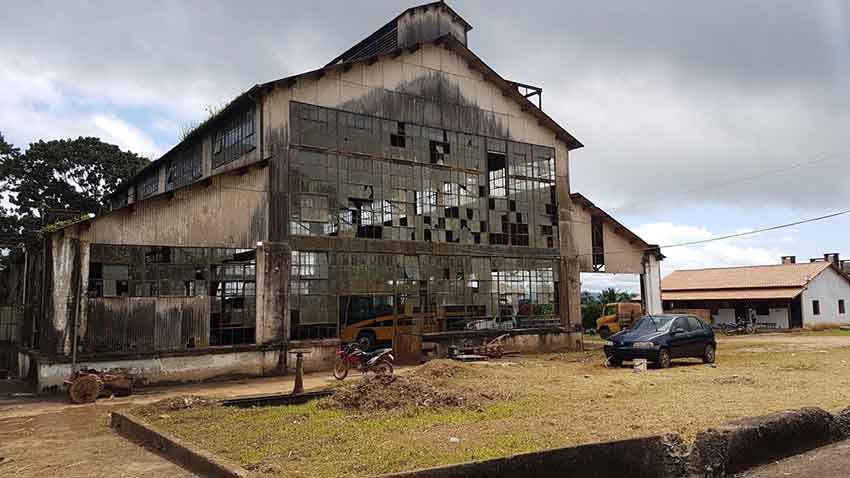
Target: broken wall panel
x,y
451,188
333,289
145,299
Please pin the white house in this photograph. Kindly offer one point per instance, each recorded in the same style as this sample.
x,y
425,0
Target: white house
x,y
787,295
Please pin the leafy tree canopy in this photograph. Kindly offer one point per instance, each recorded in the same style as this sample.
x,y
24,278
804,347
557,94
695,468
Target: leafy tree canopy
x,y
77,174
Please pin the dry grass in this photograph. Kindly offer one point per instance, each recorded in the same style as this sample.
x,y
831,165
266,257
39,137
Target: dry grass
x,y
556,400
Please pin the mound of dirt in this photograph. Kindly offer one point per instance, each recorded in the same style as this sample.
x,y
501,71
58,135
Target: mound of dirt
x,y
423,390
173,405
443,369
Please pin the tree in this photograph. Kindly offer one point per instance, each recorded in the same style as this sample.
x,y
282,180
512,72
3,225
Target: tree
x,y
611,295
77,174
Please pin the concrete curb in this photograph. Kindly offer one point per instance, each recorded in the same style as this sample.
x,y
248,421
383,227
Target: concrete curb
x,y
656,456
737,446
193,459
717,452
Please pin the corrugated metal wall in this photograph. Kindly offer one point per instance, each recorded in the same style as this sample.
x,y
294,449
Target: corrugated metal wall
x,y
229,212
146,324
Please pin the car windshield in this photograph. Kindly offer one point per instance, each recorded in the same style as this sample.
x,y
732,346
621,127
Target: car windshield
x,y
649,323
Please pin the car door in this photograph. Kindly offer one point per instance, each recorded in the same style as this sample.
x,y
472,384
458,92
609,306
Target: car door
x,y
679,338
699,337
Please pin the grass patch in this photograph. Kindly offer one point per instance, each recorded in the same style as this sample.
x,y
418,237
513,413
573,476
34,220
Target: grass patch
x,y
551,400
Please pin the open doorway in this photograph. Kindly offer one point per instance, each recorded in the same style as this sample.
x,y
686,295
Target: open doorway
x,y
609,302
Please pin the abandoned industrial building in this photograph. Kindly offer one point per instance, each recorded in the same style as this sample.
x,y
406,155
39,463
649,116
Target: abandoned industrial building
x,y
405,192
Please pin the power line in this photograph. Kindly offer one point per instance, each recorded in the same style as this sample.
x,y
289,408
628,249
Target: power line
x,y
743,179
730,236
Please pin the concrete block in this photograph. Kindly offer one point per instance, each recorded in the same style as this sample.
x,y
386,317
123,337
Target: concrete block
x,y
657,456
740,445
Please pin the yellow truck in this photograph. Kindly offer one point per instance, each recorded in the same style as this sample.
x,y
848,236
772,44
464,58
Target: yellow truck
x,y
617,316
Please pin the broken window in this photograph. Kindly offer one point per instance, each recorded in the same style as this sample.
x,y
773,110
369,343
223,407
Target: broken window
x,y
816,307
597,244
439,151
149,185
841,306
234,139
151,298
399,139
497,174
185,169
426,201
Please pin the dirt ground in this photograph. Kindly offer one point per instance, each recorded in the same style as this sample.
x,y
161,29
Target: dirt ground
x,y
52,437
555,400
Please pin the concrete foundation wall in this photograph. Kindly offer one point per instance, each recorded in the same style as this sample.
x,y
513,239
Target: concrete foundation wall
x,y
191,368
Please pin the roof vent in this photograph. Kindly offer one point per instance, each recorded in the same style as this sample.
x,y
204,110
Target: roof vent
x,y
789,259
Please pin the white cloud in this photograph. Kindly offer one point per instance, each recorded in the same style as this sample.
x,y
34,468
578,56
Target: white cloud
x,y
119,132
597,282
726,253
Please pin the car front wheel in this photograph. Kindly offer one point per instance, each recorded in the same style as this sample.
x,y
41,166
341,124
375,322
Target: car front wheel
x,y
708,356
615,362
663,358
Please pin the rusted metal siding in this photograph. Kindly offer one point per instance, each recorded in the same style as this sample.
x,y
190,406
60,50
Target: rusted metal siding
x,y
229,212
144,325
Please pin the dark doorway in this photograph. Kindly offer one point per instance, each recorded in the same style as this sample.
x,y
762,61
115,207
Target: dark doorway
x,y
795,321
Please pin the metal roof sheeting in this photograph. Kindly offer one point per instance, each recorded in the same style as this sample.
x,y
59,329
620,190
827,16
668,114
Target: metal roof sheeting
x,y
751,277
734,294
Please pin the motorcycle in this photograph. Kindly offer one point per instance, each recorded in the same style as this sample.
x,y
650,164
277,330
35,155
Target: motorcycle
x,y
739,327
351,355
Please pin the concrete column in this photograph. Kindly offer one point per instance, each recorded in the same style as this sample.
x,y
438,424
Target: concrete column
x,y
273,261
651,284
569,293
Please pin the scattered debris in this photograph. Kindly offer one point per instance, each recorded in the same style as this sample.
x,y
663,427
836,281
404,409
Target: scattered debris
x,y
444,368
734,380
470,358
88,385
428,387
454,440
160,408
639,365
492,349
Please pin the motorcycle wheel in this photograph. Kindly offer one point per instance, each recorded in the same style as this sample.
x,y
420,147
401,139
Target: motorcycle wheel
x,y
383,368
729,330
340,369
751,329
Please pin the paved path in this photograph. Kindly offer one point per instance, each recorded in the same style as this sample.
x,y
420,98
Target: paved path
x,y
52,437
831,461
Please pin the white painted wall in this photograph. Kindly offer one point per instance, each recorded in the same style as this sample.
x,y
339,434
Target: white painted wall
x,y
724,316
779,316
827,288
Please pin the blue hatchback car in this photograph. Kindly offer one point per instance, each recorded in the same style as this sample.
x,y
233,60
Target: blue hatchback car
x,y
661,338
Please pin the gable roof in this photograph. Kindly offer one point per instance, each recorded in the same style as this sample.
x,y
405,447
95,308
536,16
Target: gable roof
x,y
507,87
749,277
385,39
448,41
619,228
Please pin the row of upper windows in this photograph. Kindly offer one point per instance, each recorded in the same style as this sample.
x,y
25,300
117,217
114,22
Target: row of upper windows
x,y
236,138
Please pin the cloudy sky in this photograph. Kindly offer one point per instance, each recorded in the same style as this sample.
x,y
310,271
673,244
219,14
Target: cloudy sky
x,y
699,118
